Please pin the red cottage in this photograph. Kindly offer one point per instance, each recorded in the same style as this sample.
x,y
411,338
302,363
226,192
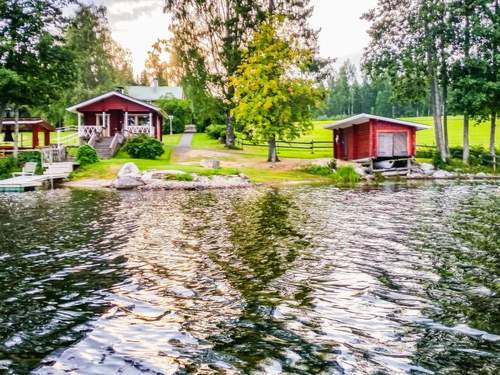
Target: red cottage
x,y
116,113
369,137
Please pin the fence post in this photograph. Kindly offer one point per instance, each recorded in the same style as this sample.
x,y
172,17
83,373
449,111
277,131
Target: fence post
x,y
312,146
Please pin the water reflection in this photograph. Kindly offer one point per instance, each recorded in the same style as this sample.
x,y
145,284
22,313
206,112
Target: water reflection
x,y
463,324
389,280
58,253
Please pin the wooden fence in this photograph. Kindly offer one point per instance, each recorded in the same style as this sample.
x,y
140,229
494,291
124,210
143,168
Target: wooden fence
x,y
311,145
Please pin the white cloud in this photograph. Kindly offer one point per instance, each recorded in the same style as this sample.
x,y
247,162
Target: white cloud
x,y
137,24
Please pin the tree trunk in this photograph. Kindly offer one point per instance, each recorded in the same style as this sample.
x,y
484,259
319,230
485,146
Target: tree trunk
x,y
16,137
466,139
230,137
445,119
436,113
272,154
493,133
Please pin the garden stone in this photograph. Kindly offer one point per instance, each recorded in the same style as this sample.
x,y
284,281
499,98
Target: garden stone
x,y
127,183
130,170
481,175
214,164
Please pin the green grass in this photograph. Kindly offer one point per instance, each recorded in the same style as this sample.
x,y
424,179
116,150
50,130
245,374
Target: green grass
x,y
479,133
25,139
171,140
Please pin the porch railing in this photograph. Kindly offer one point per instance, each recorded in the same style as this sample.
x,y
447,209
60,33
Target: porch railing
x,y
138,129
87,131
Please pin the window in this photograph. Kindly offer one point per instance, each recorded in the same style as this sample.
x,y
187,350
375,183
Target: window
x,y
392,144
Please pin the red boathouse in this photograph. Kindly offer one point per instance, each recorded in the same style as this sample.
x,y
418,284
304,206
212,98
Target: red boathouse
x,y
116,113
369,137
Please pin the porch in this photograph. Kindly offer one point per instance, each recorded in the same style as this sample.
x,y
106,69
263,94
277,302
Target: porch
x,y
109,123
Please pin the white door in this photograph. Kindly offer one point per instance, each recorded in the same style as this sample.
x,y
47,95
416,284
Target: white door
x,y
400,144
385,144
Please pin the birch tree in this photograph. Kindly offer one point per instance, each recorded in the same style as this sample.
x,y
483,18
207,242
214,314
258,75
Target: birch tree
x,y
209,37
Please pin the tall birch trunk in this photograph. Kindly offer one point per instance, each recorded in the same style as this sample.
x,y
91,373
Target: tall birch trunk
x,y
465,156
445,119
493,133
436,113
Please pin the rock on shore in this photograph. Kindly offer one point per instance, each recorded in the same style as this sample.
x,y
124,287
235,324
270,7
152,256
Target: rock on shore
x,y
130,177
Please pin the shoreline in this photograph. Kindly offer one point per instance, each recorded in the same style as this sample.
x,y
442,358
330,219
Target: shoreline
x,y
187,186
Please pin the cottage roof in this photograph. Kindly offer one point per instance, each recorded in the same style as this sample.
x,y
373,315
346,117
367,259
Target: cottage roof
x,y
26,124
364,118
110,94
152,93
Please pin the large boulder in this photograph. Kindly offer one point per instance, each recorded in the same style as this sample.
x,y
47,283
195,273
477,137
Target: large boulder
x,y
129,170
127,183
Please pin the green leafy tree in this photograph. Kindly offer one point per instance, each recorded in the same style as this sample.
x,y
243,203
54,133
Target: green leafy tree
x,y
180,109
209,37
101,63
274,95
35,67
407,44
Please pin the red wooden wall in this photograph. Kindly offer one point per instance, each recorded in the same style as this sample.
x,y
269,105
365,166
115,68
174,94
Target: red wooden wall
x,y
117,103
362,140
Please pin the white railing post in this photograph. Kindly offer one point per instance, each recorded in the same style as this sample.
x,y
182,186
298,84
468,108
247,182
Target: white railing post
x,y
79,124
125,125
151,128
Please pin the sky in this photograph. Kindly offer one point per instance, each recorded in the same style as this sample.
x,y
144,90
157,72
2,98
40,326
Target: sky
x,y
137,24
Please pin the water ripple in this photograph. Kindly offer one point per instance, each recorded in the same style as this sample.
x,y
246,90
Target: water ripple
x,y
311,280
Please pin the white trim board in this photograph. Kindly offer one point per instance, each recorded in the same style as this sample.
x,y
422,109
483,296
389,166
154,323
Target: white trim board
x,y
364,118
74,108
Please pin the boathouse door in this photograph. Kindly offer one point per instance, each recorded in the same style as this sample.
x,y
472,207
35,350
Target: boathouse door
x,y
392,144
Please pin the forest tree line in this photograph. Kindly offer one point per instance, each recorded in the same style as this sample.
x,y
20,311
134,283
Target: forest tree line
x,y
347,95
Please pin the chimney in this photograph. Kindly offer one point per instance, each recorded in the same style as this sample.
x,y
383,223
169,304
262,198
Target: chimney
x,y
120,89
155,84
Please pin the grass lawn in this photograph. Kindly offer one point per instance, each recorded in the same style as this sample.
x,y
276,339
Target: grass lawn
x,y
479,133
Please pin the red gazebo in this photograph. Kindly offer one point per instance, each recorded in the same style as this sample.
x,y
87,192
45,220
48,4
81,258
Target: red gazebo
x,y
33,125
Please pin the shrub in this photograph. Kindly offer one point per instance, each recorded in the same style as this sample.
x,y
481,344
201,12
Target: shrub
x,y
346,176
86,154
180,109
143,147
29,156
319,170
216,131
437,161
7,166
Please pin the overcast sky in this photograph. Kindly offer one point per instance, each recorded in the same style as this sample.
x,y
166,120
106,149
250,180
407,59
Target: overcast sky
x,y
137,24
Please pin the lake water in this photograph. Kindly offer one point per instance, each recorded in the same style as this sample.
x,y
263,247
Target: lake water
x,y
308,280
